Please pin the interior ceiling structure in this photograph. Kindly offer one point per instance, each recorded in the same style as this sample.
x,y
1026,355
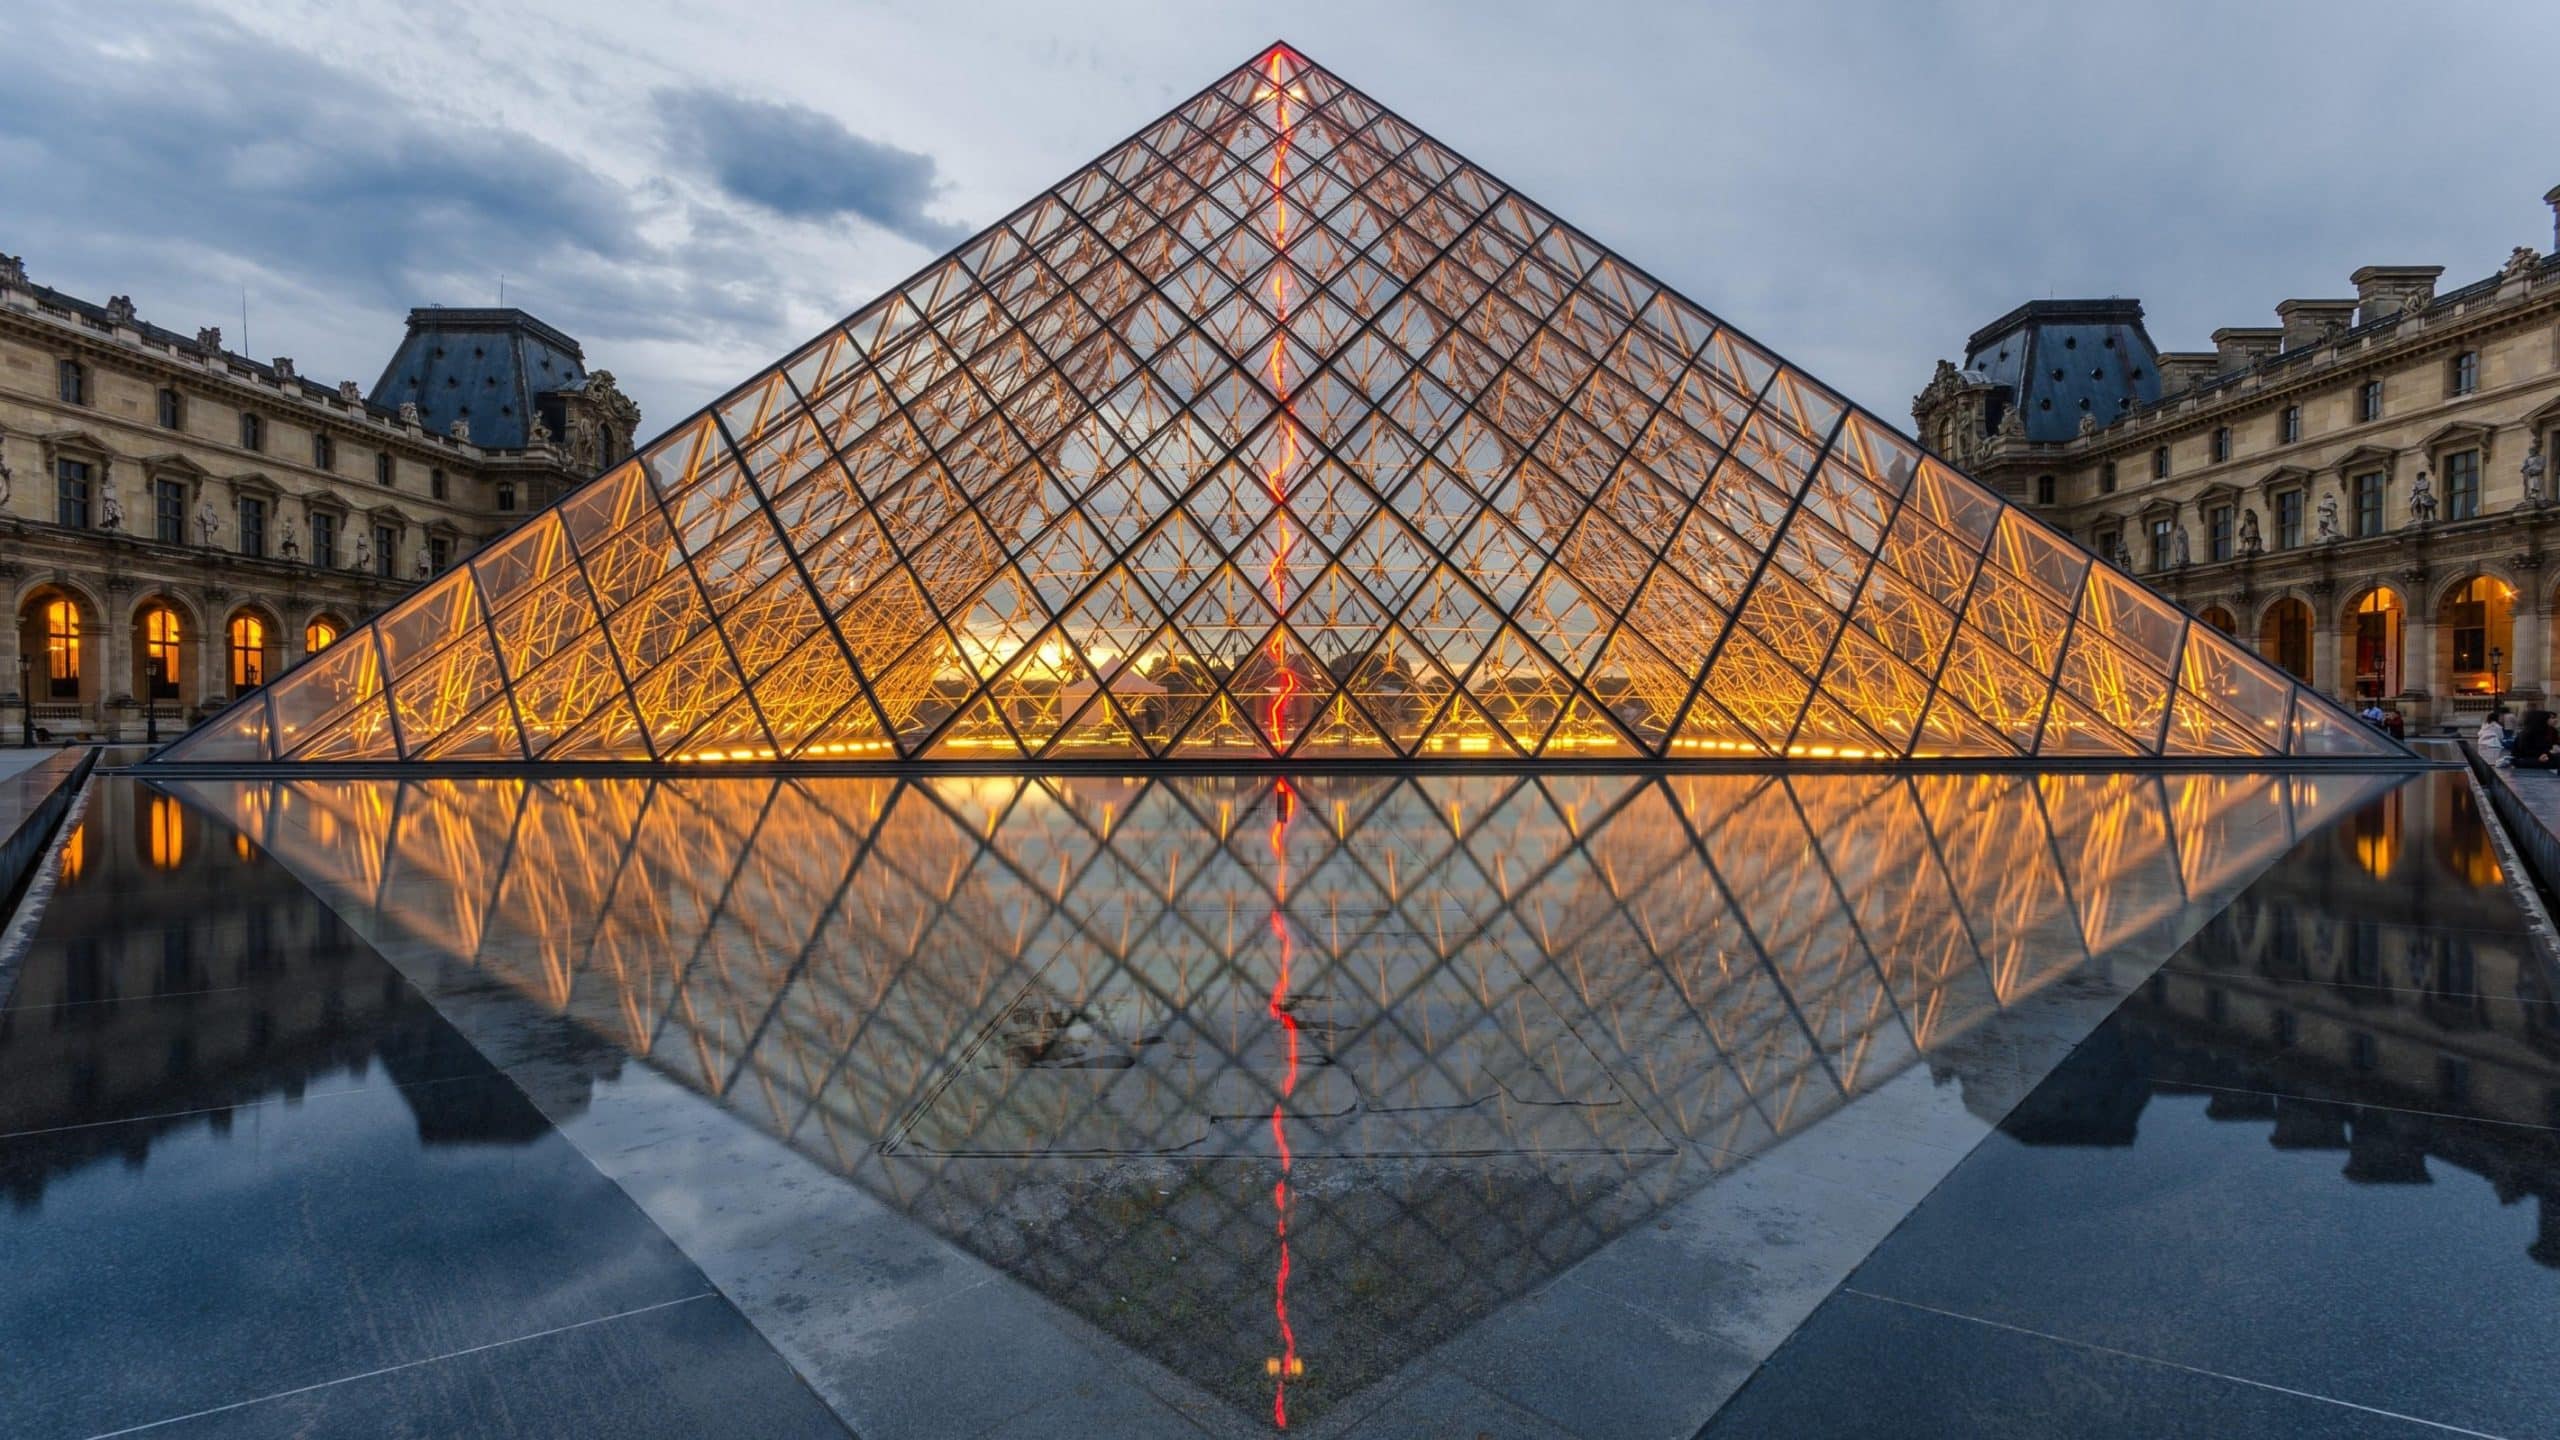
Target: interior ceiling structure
x,y
1281,431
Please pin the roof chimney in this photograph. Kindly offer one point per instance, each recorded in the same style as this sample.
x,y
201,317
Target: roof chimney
x,y
2307,322
2237,347
2385,290
2182,369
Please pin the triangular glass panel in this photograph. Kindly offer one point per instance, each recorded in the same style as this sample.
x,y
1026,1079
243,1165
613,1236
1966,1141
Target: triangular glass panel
x,y
1281,355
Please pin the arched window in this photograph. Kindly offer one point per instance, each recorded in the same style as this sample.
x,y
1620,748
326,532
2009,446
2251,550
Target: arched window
x,y
2284,637
161,646
2479,620
62,648
2374,631
248,653
2219,618
319,635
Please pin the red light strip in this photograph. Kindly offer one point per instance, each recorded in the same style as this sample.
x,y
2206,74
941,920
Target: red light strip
x,y
1277,579
1287,1366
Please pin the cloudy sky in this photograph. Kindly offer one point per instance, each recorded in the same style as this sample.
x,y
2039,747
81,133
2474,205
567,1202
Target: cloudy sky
x,y
691,188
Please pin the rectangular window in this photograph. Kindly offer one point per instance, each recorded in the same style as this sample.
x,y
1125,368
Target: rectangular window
x,y
2369,401
253,431
2369,492
2292,424
70,382
506,495
324,540
324,451
2160,463
253,525
2289,520
169,511
2217,524
2107,478
2107,543
435,482
71,493
173,409
439,554
2462,485
384,538
2044,489
2463,376
2160,542
382,473
2221,443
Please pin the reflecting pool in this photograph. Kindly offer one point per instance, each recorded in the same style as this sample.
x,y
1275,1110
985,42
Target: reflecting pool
x,y
1160,1105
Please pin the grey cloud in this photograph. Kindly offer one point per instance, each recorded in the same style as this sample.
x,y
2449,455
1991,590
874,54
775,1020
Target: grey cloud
x,y
800,163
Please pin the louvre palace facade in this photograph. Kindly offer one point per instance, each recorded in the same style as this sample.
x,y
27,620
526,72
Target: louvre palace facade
x,y
179,524
2362,492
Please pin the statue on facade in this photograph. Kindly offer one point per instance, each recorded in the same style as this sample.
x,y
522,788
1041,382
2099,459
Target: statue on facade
x,y
2532,469
289,545
2250,541
283,366
2013,426
208,524
350,392
5,477
13,271
209,339
2088,425
120,310
460,429
424,570
364,552
536,432
2520,262
2121,557
2178,546
409,413
2329,520
2422,499
110,512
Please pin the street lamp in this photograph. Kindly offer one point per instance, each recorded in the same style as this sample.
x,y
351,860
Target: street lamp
x,y
2497,686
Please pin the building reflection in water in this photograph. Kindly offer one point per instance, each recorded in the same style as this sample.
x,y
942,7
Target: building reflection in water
x,y
1449,1033
2375,994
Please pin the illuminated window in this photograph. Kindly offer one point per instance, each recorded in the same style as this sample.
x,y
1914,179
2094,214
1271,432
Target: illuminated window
x,y
2375,634
165,832
248,653
161,648
62,649
2479,618
319,635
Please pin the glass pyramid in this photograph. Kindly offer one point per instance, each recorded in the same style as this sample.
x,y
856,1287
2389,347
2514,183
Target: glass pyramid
x,y
1281,431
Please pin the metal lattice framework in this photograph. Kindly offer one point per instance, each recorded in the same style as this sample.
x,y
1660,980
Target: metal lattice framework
x,y
1591,992
1282,431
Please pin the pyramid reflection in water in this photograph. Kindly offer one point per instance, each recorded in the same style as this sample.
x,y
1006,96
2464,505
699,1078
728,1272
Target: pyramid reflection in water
x,y
1474,1024
1281,430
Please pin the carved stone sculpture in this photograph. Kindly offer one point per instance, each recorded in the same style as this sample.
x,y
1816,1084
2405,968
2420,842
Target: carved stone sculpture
x,y
424,570
2422,499
208,524
350,391
460,429
13,271
283,366
209,339
2250,541
2520,261
2532,470
2329,520
289,545
111,512
409,413
120,309
2178,546
364,552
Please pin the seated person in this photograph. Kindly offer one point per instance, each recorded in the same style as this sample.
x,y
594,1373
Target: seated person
x,y
2492,738
2537,745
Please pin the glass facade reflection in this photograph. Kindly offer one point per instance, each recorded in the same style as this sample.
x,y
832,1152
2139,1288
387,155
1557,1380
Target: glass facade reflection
x,y
1446,1033
1282,431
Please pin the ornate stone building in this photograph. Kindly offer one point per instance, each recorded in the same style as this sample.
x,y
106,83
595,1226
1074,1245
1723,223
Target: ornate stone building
x,y
2364,489
179,523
